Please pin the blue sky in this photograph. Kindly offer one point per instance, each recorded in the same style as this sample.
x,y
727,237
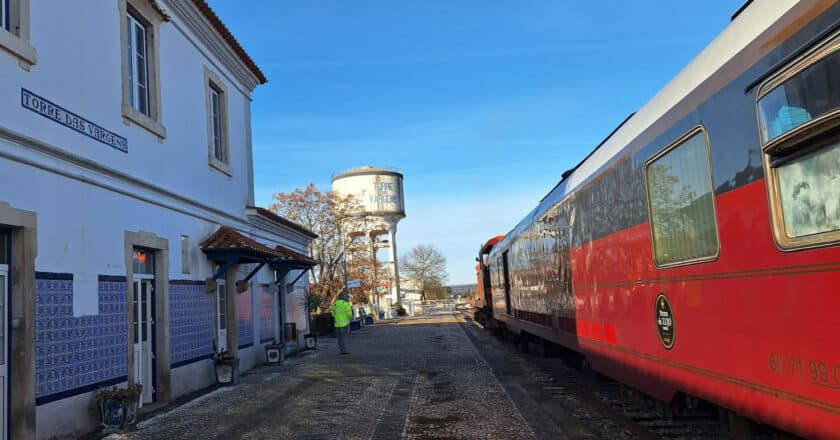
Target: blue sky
x,y
482,104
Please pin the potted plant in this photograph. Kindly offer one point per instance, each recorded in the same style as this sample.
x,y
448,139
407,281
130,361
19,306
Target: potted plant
x,y
226,366
312,301
118,406
274,353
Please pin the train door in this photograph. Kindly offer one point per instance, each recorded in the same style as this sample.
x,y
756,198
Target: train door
x,y
506,275
486,285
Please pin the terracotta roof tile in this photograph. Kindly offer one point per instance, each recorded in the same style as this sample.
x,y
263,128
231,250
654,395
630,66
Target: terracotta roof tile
x,y
220,27
292,255
228,239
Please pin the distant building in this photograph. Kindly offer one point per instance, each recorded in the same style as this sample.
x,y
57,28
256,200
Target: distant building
x,y
409,291
129,246
462,290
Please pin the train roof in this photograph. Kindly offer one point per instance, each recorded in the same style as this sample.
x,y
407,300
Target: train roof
x,y
746,26
490,243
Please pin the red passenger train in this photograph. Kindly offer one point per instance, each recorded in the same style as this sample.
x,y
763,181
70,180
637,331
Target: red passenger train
x,y
696,251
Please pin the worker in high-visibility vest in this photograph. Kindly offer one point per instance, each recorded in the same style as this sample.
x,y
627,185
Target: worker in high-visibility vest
x,y
342,314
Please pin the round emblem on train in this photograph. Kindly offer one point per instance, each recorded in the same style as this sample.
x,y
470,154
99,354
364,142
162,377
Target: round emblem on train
x,y
665,321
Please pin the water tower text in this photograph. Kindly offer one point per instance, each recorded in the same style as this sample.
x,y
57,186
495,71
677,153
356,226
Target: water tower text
x,y
384,192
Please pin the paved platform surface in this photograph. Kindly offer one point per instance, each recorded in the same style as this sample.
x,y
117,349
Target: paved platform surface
x,y
419,379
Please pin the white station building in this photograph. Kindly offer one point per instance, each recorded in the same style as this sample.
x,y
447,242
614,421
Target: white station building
x,y
129,243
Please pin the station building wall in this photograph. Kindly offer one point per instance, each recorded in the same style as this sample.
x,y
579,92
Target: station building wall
x,y
77,203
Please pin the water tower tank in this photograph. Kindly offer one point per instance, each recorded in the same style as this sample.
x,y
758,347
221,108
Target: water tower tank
x,y
379,191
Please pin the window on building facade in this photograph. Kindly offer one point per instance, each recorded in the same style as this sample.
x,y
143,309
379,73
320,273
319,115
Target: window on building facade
x,y
216,121
138,66
143,262
4,14
681,202
799,114
185,254
139,24
14,31
218,150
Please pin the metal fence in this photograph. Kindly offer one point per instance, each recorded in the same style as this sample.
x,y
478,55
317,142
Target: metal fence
x,y
433,307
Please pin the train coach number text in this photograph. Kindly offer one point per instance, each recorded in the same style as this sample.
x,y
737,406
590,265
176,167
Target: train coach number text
x,y
813,371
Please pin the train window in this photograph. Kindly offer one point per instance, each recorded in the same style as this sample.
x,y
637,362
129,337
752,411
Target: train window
x,y
799,112
497,274
808,95
681,202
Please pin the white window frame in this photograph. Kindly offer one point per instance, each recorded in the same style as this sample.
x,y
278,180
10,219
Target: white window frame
x,y
14,32
137,38
141,12
218,138
185,254
222,316
216,113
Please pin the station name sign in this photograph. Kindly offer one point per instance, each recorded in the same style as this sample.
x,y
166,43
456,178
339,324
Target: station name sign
x,y
71,120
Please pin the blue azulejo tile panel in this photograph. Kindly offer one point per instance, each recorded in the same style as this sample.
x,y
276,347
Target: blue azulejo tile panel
x,y
75,352
191,321
266,308
244,319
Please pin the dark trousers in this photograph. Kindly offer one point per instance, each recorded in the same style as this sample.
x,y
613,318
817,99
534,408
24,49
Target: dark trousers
x,y
343,333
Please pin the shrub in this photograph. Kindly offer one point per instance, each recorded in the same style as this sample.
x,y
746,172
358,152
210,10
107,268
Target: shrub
x,y
122,394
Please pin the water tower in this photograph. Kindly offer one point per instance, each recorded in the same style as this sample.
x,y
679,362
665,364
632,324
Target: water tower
x,y
380,193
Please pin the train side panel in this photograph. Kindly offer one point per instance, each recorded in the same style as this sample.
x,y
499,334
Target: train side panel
x,y
752,328
790,374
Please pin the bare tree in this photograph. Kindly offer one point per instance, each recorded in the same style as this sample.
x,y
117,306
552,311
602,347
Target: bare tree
x,y
331,216
426,267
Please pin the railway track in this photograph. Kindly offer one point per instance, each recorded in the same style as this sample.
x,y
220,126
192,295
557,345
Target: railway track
x,y
598,406
637,413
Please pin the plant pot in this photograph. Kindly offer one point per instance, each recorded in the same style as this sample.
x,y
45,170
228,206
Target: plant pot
x,y
310,341
274,354
117,414
226,371
111,414
131,412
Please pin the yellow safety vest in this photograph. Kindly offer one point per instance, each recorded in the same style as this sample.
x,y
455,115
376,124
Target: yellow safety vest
x,y
342,313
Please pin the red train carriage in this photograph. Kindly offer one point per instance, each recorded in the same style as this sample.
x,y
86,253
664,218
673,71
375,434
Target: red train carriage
x,y
696,250
484,293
